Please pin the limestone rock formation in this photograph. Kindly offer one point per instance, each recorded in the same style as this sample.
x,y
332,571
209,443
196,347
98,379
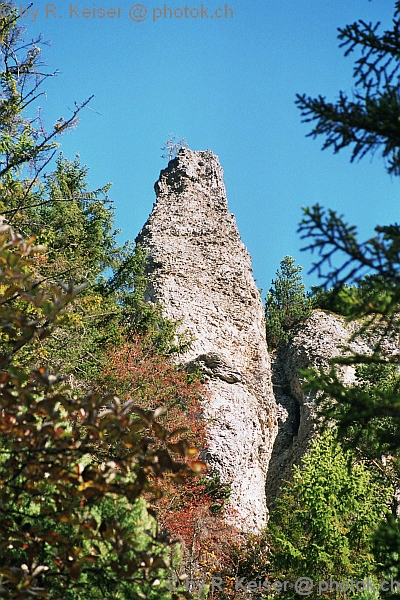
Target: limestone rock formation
x,y
315,342
322,337
201,272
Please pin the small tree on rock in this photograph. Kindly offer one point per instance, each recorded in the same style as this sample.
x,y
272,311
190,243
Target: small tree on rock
x,y
287,303
172,146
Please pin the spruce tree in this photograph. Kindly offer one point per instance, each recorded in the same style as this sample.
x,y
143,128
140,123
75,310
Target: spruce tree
x,y
287,303
367,122
324,522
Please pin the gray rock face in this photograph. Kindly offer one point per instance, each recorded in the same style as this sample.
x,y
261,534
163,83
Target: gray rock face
x,y
201,271
315,342
322,337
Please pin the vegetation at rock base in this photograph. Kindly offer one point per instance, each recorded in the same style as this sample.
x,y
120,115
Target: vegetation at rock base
x,y
322,524
192,509
73,468
324,520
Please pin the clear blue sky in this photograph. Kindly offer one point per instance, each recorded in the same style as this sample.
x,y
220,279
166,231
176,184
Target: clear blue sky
x,y
227,84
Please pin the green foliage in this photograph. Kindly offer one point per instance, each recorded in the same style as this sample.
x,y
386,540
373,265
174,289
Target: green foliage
x,y
323,523
139,316
353,300
338,301
287,303
322,526
376,261
74,224
77,225
368,412
387,549
82,245
134,522
218,492
371,119
72,472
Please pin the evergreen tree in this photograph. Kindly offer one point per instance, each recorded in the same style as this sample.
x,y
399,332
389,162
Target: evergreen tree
x,y
368,122
287,303
74,466
324,522
56,208
322,525
73,474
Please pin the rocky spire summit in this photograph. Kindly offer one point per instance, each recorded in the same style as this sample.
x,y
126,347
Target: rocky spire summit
x,y
201,272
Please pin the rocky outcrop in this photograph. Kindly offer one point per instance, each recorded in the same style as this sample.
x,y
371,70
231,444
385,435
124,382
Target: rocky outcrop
x,y
315,342
322,337
201,272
